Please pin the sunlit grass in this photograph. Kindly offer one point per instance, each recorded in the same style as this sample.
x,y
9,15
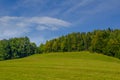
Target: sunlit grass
x,y
61,66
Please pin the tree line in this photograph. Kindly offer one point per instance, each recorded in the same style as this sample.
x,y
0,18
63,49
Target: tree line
x,y
16,48
106,42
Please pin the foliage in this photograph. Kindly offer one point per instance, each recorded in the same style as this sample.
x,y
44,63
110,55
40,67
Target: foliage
x,y
16,48
101,41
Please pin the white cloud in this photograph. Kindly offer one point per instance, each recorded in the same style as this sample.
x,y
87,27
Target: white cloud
x,y
48,21
17,26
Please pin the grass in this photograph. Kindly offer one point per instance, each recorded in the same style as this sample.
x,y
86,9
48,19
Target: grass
x,y
61,66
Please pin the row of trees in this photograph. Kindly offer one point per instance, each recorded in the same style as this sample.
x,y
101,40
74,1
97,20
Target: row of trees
x,y
106,42
101,41
16,48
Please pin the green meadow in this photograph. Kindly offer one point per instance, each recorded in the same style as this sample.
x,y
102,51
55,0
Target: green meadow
x,y
61,66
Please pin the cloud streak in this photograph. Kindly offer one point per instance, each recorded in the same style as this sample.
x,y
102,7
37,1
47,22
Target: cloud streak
x,y
17,26
80,4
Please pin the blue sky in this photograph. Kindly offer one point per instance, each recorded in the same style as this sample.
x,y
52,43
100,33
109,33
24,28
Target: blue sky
x,y
43,20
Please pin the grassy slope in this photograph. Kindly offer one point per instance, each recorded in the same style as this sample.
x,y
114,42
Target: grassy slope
x,y
61,66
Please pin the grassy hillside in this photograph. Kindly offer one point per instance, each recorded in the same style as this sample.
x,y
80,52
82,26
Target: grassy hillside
x,y
61,66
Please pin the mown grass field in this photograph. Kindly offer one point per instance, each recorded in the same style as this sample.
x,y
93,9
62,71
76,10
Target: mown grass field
x,y
61,66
